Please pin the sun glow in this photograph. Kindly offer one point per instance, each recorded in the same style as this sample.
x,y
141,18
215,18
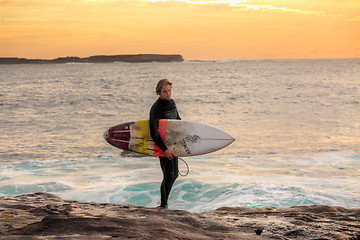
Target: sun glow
x,y
209,29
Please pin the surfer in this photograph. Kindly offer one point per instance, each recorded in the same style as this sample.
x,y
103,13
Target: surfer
x,y
164,108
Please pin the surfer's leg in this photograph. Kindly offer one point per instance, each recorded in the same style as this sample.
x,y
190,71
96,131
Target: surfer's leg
x,y
170,173
163,184
175,168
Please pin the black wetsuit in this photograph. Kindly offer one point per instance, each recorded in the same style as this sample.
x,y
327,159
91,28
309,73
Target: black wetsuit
x,y
163,109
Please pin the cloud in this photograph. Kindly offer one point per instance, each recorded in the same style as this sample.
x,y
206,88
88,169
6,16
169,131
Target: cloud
x,y
233,3
26,20
279,6
357,18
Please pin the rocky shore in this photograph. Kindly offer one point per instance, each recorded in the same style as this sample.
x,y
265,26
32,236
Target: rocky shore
x,y
47,216
136,58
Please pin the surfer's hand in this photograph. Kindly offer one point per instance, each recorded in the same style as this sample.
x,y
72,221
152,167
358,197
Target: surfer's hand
x,y
169,154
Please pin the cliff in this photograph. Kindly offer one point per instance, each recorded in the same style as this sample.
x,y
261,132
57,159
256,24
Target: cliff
x,y
46,216
138,58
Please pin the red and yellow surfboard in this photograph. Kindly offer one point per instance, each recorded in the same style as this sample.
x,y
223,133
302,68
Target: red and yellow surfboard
x,y
184,138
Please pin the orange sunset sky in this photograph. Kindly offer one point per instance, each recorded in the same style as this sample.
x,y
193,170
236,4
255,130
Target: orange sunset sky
x,y
198,30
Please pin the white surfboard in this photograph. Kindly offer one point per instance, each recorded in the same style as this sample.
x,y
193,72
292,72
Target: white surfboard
x,y
184,138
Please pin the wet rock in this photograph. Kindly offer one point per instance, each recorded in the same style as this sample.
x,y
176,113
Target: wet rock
x,y
46,216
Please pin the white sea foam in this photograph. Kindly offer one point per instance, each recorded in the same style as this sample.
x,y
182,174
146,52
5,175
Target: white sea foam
x,y
136,181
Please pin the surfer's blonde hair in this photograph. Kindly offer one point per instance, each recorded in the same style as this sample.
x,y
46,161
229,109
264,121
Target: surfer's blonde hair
x,y
162,83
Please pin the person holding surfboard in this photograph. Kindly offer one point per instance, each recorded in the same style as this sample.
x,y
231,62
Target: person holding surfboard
x,y
164,108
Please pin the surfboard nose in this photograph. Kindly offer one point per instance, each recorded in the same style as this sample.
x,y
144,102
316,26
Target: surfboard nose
x,y
231,140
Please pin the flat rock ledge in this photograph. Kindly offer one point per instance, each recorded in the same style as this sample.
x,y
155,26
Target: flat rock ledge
x,y
47,216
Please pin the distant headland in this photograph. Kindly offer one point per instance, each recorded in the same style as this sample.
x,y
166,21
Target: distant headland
x,y
135,58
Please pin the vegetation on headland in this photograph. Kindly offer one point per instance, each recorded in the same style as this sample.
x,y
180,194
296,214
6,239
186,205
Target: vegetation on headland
x,y
135,58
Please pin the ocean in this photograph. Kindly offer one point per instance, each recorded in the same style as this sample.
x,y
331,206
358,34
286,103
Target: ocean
x,y
296,125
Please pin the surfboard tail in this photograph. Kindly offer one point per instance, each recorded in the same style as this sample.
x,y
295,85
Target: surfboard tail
x,y
119,136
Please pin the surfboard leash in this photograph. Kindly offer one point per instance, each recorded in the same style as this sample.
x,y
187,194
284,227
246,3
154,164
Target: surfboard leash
x,y
188,170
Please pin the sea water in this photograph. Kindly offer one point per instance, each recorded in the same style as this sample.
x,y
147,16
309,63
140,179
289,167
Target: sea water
x,y
296,125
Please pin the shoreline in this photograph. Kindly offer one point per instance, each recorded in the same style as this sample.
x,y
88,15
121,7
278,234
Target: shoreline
x,y
144,58
47,216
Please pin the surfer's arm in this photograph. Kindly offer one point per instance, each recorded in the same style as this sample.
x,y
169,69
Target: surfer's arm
x,y
178,116
154,124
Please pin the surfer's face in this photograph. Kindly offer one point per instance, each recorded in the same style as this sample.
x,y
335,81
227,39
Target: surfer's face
x,y
165,93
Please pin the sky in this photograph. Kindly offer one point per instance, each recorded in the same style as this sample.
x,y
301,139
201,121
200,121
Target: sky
x,y
196,29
